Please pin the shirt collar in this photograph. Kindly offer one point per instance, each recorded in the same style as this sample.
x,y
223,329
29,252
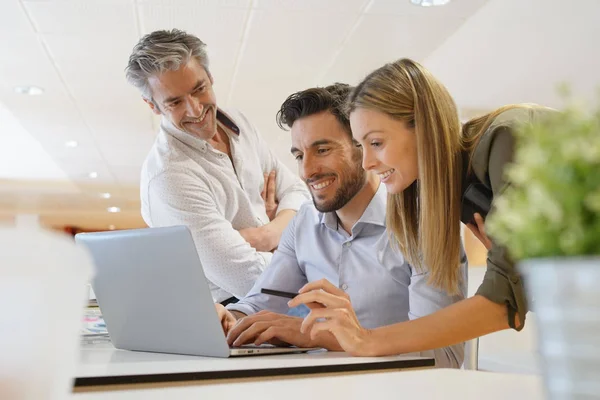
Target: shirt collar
x,y
226,120
168,127
374,213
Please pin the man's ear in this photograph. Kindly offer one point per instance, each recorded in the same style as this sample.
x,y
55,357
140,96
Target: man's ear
x,y
153,106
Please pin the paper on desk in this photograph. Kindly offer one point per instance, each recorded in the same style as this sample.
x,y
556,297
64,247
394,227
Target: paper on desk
x,y
94,327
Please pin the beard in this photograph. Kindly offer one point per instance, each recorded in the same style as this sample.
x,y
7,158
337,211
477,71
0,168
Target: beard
x,y
349,185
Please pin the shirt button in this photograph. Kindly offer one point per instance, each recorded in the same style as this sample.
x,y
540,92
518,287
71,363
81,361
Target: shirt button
x,y
344,287
348,244
515,279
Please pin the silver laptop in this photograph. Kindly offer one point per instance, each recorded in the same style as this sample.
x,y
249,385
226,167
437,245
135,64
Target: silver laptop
x,y
154,296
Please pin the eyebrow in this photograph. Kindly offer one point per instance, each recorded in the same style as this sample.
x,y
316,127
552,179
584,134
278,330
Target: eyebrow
x,y
313,144
174,98
370,132
321,142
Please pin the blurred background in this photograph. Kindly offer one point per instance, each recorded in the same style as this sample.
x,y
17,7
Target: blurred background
x,y
74,134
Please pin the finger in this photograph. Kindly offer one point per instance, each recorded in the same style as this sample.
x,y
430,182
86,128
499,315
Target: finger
x,y
244,324
310,320
266,336
252,332
280,336
274,321
221,312
322,284
271,188
314,306
321,297
480,223
263,193
241,325
317,317
230,324
474,230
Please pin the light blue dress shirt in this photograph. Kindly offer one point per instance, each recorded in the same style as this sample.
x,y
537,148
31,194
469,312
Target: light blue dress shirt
x,y
383,287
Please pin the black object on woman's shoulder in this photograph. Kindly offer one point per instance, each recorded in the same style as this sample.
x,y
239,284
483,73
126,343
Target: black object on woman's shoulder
x,y
477,198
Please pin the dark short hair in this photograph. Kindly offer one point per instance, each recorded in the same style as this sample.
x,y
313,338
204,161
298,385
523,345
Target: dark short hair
x,y
311,101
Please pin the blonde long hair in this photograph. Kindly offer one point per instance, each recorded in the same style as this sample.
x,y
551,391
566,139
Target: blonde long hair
x,y
424,220
473,130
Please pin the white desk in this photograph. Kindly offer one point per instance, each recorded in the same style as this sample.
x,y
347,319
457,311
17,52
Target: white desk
x,y
102,364
434,384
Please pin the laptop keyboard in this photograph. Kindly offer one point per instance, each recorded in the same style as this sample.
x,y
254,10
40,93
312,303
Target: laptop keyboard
x,y
253,346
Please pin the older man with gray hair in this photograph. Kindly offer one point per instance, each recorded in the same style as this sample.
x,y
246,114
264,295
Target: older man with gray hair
x,y
209,168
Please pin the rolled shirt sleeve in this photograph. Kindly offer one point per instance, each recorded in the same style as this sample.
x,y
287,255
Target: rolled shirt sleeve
x,y
502,283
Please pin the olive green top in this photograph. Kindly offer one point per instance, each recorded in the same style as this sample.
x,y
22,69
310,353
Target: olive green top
x,y
502,282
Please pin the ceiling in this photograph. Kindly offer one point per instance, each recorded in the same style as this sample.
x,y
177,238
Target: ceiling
x,y
488,53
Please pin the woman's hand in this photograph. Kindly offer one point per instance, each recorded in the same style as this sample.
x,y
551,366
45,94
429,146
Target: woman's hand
x,y
331,311
479,231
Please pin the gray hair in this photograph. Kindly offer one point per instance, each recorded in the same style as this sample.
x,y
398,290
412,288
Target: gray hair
x,y
160,51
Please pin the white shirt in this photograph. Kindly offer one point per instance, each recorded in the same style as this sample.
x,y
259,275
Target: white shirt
x,y
185,181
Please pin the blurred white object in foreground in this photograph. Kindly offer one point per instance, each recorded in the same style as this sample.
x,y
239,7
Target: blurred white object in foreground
x,y
43,278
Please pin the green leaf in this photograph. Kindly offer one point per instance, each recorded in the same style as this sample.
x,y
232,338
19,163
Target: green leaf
x,y
552,207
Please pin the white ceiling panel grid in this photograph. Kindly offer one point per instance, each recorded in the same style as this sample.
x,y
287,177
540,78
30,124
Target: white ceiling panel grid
x,y
488,53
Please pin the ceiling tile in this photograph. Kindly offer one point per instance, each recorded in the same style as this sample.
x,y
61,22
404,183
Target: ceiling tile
x,y
21,155
97,61
13,19
23,61
126,156
456,8
301,55
198,4
221,28
127,175
79,170
537,47
313,6
113,17
385,37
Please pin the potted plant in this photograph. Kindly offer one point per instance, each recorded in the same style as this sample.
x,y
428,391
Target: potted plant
x,y
549,220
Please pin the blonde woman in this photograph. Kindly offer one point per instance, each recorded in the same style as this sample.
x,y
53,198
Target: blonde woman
x,y
437,173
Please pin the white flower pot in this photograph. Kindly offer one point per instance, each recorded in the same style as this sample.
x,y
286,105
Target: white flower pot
x,y
564,294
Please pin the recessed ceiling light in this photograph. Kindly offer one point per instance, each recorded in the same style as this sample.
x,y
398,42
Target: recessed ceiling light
x,y
30,90
93,175
71,144
113,209
429,3
105,195
112,227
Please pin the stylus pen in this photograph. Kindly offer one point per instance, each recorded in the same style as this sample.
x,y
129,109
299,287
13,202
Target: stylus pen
x,y
279,293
